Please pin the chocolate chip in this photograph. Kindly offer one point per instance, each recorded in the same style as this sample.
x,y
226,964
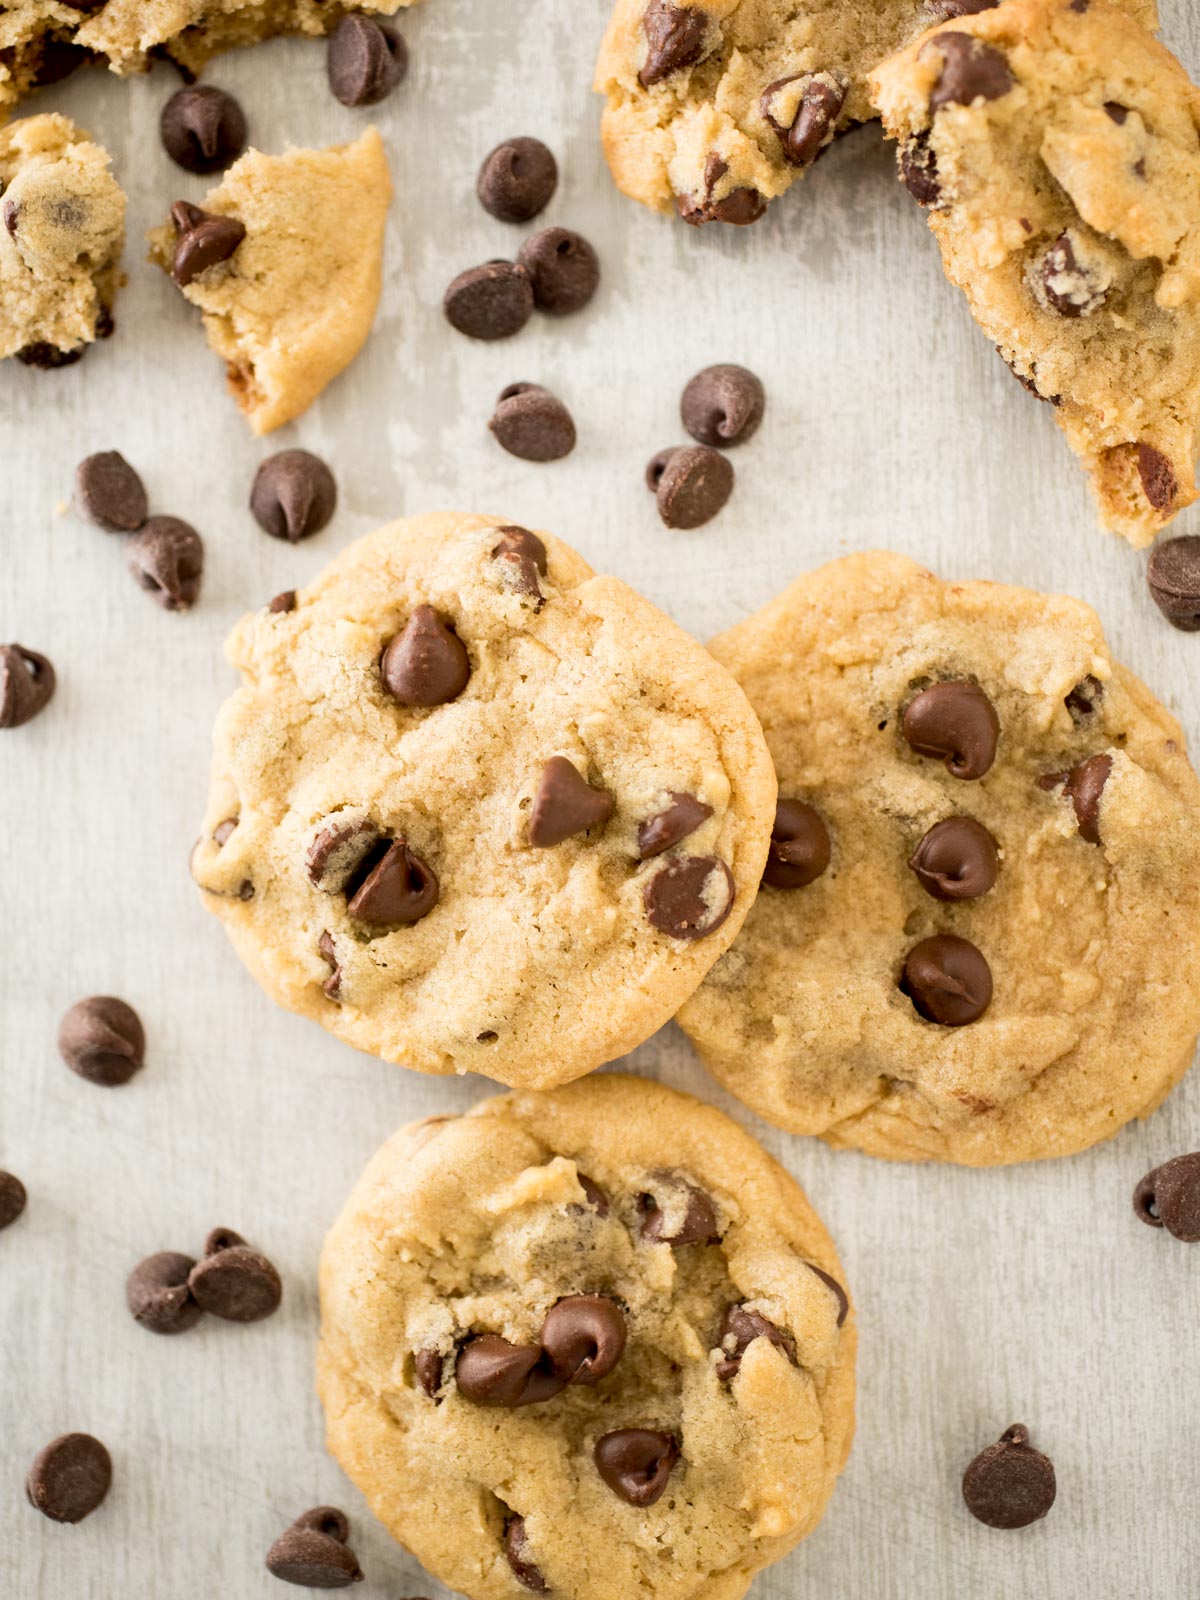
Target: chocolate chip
x,y
493,301
1084,785
799,850
532,423
69,1478
102,1039
583,1337
203,240
157,1293
956,860
521,558
739,208
233,1280
565,804
338,851
293,496
224,831
919,170
283,602
516,1548
428,1365
109,492
1083,701
1169,1197
58,59
491,1372
657,465
27,683
739,1328
1068,285
1010,1484
675,38
699,1224
947,979
48,357
398,891
12,1199
669,827
1116,111
830,1282
814,120
689,897
313,1552
722,405
366,60
955,722
1174,579
563,270
1158,477
516,180
635,1463
203,129
694,483
426,663
332,987
972,70
947,10
167,559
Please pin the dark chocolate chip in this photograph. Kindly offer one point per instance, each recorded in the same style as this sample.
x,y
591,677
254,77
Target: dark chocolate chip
x,y
722,405
563,270
815,118
48,357
694,483
956,860
157,1293
224,831
102,1039
565,804
332,987
428,1365
366,60
972,70
517,180
596,1196
948,980
739,1328
516,1547
338,851
1169,1197
109,492
283,602
669,827
492,301
919,170
532,423
1174,579
59,58
491,1372
203,129
167,559
293,496
739,208
1158,477
689,897
398,891
955,722
203,240
1067,284
583,1337
635,1463
947,10
1083,701
233,1280
1116,111
313,1552
699,1224
521,559
799,850
69,1478
26,684
657,465
1084,785
830,1282
12,1199
426,663
1010,1484
675,38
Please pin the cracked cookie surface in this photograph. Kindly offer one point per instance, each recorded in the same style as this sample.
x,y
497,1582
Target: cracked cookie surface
x,y
477,809
1017,984
601,1332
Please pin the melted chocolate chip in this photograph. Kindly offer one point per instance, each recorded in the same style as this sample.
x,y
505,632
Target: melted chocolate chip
x,y
636,1463
596,1196
428,1365
565,804
1174,579
517,180
516,1548
956,860
919,170
1010,1484
955,722
203,129
1084,785
157,1293
722,405
675,38
814,121
332,987
27,683
69,1478
583,1338
234,1281
338,851
102,1039
739,1328
1158,477
521,559
689,897
203,240
799,851
669,827
972,70
739,208
698,1225
490,1371
843,1299
1070,288
313,1551
399,890
948,980
426,663
1083,701
1169,1197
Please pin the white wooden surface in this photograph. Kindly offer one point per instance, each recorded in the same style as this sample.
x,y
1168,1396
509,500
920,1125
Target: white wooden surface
x,y
985,1298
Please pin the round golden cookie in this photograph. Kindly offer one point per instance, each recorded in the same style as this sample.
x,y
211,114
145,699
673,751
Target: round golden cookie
x,y
992,966
475,809
589,1343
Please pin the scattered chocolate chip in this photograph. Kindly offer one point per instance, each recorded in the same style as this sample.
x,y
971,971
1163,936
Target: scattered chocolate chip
x,y
27,683
491,1372
493,301
332,987
1174,579
563,270
739,1328
812,124
48,357
516,1548
532,423
699,1224
919,170
1070,288
947,10
366,60
1010,1484
635,1463
583,1337
102,1039
739,208
313,1551
830,1282
398,891
69,1477
109,492
203,129
948,980
565,804
972,70
426,663
1083,701
521,558
167,559
1084,785
157,1293
233,1280
956,723
596,1196
12,1199
693,483
294,495
956,860
689,897
428,1366
338,851
203,240
1116,112
657,465
675,38
669,827
516,180
1169,1197
722,405
283,602
799,850
1158,477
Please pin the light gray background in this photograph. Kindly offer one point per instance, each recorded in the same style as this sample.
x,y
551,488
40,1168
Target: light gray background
x,y
984,1298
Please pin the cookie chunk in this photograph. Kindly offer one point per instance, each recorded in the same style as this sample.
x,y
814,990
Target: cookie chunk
x,y
285,259
716,109
1057,148
981,909
590,1343
475,809
62,229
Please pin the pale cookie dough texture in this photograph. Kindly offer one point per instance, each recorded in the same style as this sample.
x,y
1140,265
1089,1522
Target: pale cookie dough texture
x,y
42,41
553,705
63,228
668,1436
1090,931
1057,147
716,109
293,304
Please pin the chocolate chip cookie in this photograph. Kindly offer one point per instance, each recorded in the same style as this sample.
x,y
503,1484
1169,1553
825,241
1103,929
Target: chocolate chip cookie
x,y
590,1343
62,229
475,809
980,917
285,260
716,109
1056,146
